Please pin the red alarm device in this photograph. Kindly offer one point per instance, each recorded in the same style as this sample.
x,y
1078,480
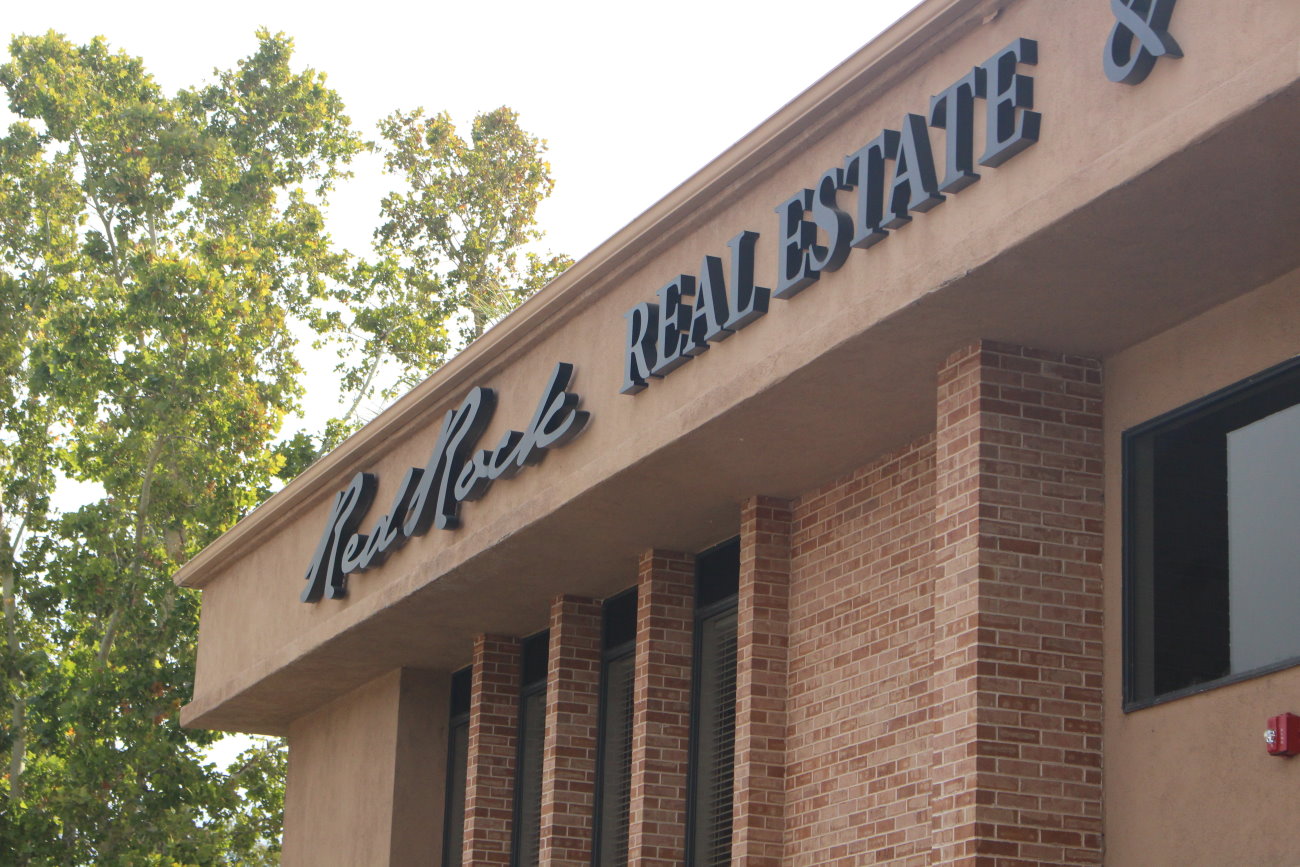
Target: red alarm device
x,y
1283,735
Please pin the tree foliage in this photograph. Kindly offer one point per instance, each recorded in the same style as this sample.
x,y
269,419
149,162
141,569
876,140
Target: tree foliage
x,y
451,253
160,255
155,249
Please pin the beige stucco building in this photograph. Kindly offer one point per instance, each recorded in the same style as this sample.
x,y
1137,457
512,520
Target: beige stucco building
x,y
976,547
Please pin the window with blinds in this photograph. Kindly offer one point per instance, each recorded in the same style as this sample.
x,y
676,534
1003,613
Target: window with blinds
x,y
713,710
526,848
453,834
614,751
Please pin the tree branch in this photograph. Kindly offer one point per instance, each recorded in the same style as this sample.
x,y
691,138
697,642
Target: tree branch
x,y
18,725
141,511
105,220
375,362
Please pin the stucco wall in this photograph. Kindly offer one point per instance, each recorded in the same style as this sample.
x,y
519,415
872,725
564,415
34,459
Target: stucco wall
x,y
1138,207
1188,781
367,774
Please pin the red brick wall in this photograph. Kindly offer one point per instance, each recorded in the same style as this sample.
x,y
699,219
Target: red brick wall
x,y
661,704
860,639
493,723
762,643
945,632
919,655
1018,609
572,717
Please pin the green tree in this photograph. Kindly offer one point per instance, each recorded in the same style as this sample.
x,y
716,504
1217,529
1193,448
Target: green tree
x,y
452,253
159,255
155,250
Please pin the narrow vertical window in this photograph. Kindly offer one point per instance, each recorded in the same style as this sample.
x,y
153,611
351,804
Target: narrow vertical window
x,y
614,756
713,711
453,834
532,733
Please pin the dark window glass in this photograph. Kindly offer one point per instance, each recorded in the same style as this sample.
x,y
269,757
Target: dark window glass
x,y
717,575
1212,501
713,717
616,763
457,769
618,622
532,731
614,758
715,727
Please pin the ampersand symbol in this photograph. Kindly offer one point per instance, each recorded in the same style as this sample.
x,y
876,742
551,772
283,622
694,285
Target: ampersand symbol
x,y
1140,36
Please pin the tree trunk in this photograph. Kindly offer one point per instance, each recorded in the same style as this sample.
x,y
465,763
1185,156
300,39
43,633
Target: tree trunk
x,y
18,752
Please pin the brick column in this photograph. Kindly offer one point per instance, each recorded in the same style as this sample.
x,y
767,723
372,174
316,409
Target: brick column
x,y
572,717
1018,611
762,639
661,707
493,723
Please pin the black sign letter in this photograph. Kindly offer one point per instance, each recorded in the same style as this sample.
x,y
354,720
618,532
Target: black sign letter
x,y
640,353
1139,38
710,314
836,224
325,575
914,187
674,323
1009,130
748,302
954,111
866,171
794,272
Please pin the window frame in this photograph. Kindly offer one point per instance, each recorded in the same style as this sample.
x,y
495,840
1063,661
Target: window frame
x,y
528,689
1131,442
456,719
702,612
608,656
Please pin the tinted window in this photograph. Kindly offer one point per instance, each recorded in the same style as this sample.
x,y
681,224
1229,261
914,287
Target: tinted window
x,y
1213,498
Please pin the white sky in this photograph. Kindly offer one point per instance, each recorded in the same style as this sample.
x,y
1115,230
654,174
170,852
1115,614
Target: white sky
x,y
633,98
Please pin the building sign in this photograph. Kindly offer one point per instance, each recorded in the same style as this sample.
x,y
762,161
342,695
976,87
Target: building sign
x,y
894,176
431,497
1139,38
